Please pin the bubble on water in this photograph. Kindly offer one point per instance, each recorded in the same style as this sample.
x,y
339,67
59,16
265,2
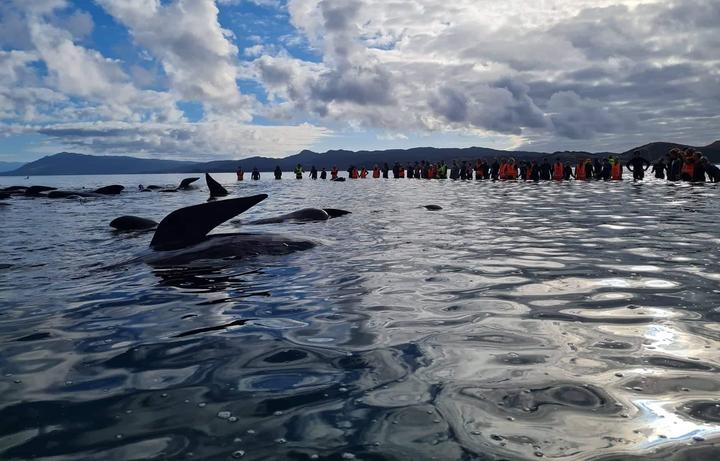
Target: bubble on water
x,y
224,414
238,454
280,440
233,419
348,456
202,404
118,436
278,413
251,432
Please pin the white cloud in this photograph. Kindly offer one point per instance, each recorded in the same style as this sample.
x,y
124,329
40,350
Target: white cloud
x,y
195,51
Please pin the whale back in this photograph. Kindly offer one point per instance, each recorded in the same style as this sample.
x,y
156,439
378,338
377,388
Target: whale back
x,y
188,226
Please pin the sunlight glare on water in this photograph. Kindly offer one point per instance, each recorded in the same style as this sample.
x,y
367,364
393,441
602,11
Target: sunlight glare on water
x,y
573,321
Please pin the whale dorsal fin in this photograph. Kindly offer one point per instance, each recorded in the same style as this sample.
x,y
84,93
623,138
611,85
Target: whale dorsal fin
x,y
190,225
216,189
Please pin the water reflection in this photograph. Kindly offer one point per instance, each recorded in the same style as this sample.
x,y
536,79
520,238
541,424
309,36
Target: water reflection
x,y
573,321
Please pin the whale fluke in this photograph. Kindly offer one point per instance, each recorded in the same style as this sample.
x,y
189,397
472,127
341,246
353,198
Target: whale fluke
x,y
336,213
185,183
126,223
216,190
110,190
190,225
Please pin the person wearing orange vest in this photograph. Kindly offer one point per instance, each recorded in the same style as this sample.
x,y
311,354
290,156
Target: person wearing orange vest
x,y
363,172
401,172
511,170
240,174
687,172
334,172
353,172
615,169
501,169
376,172
581,171
558,170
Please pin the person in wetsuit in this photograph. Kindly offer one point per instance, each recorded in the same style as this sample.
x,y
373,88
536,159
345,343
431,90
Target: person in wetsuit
x,y
410,170
299,171
396,170
323,174
606,171
495,169
534,171
675,165
255,176
385,170
278,172
545,170
313,172
567,172
711,170
454,171
659,168
597,169
639,166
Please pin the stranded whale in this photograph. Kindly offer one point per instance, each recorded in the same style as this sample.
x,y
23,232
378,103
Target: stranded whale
x,y
182,236
304,215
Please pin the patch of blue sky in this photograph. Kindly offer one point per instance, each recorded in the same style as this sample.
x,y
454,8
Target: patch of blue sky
x,y
193,110
266,24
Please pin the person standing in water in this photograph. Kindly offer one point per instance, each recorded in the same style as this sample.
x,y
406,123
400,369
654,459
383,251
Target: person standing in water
x,y
616,169
385,170
334,173
495,169
299,171
545,170
240,173
376,172
323,174
278,172
659,168
313,172
558,170
255,174
639,166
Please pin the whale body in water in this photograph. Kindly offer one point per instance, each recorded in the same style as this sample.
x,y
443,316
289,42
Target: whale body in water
x,y
182,236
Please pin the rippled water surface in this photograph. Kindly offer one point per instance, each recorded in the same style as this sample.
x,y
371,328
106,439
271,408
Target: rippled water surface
x,y
523,321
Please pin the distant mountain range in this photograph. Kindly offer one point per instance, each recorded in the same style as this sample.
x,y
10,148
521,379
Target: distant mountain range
x,y
10,166
66,163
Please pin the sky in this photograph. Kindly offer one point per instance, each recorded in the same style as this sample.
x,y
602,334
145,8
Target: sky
x,y
221,79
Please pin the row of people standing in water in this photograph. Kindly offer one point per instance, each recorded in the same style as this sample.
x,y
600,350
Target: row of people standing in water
x,y
685,165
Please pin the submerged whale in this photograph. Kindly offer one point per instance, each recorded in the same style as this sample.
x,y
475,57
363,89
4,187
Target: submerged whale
x,y
304,215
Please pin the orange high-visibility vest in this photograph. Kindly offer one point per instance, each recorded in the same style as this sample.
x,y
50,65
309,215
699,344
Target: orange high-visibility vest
x,y
511,172
334,173
616,172
376,173
354,173
687,171
580,173
501,170
363,173
558,171
401,173
528,172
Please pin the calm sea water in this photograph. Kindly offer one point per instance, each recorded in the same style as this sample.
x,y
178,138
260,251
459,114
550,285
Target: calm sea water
x,y
562,321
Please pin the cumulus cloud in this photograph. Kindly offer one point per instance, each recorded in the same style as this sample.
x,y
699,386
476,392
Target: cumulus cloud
x,y
550,70
553,74
195,51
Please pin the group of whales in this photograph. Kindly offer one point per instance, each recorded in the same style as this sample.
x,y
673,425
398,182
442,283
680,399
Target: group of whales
x,y
182,236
